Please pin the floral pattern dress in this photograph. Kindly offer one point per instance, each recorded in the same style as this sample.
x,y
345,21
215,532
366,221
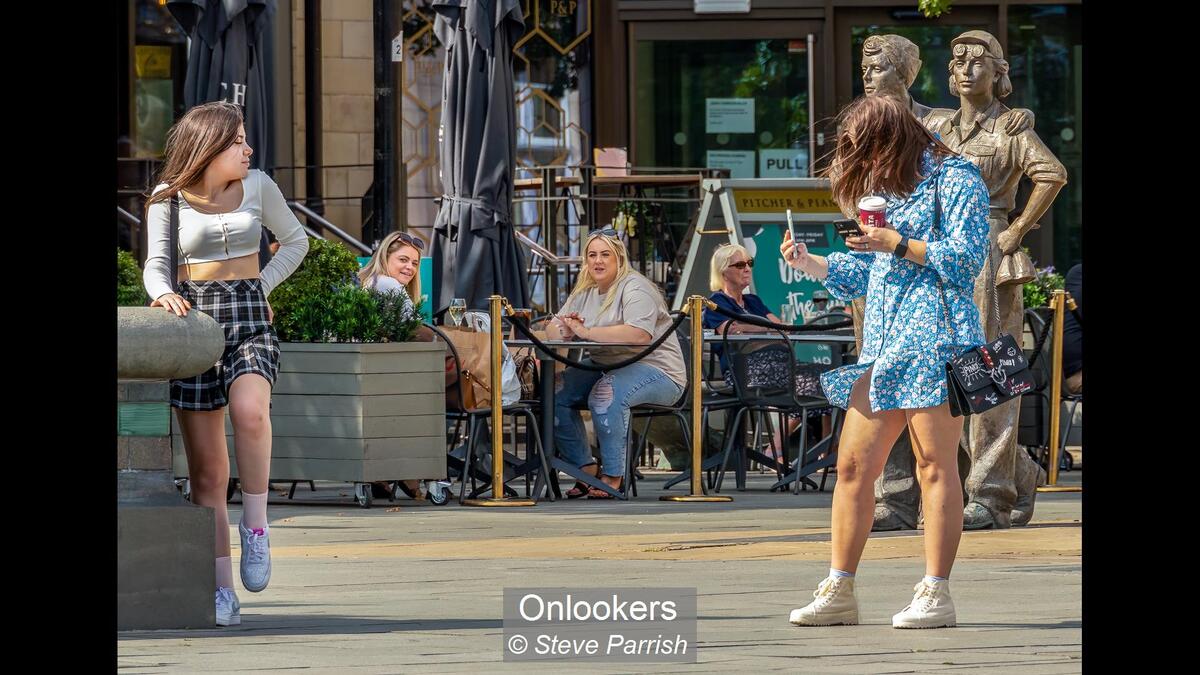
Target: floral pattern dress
x,y
917,317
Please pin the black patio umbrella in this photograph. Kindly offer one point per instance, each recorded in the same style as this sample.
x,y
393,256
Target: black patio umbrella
x,y
229,60
475,253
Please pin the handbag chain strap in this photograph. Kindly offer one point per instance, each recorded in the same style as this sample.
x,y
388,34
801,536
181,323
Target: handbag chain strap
x,y
992,264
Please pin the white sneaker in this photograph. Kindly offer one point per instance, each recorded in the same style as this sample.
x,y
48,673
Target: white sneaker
x,y
255,565
229,610
833,604
931,607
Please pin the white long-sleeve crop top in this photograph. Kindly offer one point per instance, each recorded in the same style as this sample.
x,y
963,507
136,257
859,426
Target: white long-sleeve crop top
x,y
208,237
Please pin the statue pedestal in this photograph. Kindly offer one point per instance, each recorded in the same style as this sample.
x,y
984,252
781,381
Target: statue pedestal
x,y
165,574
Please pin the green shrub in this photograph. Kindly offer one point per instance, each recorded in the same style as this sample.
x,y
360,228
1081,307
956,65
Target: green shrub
x,y
130,290
302,300
322,302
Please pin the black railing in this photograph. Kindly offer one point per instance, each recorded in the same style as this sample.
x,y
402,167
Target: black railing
x,y
570,201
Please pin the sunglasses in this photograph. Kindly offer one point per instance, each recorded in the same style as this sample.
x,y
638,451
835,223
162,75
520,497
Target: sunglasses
x,y
410,240
607,231
743,264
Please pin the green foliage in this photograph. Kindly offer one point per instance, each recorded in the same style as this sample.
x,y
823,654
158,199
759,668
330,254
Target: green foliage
x,y
396,325
302,298
770,72
322,302
1037,292
130,291
934,8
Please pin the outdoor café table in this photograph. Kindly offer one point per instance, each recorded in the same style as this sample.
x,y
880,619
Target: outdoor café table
x,y
838,337
547,380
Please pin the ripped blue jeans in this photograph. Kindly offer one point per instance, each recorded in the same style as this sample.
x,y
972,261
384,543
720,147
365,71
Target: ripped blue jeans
x,y
609,396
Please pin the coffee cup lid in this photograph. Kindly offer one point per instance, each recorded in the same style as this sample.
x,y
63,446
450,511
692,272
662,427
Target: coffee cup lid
x,y
872,203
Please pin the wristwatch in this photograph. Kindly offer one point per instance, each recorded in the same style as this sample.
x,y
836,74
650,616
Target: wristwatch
x,y
901,248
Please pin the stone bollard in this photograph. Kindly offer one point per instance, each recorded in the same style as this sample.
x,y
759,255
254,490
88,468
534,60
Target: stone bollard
x,y
165,575
154,344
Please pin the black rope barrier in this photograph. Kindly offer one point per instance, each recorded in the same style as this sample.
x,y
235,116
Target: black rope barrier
x,y
1037,350
520,326
786,327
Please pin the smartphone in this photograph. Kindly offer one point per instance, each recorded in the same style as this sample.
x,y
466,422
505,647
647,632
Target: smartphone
x,y
847,227
792,227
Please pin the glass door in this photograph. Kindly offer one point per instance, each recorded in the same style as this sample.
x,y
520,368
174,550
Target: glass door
x,y
734,95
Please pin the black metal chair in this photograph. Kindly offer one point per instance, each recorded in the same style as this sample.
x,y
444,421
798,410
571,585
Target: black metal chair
x,y
828,318
681,410
1034,429
825,319
715,396
476,418
758,396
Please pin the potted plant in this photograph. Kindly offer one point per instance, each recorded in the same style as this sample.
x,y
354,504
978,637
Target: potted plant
x,y
354,400
1036,295
1037,292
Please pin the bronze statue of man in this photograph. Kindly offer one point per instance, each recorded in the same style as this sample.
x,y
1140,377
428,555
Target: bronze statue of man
x,y
890,64
1003,479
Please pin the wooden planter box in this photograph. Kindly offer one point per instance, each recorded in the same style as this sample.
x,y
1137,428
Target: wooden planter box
x,y
353,412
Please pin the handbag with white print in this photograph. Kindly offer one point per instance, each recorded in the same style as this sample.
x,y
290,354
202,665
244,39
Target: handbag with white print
x,y
986,376
982,378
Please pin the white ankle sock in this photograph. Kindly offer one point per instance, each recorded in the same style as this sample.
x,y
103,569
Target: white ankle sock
x,y
225,572
254,510
929,578
835,573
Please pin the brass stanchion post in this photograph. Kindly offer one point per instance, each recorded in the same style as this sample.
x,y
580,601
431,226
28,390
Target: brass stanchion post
x,y
695,309
1058,300
497,498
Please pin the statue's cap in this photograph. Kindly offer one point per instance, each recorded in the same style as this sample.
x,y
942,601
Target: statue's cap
x,y
980,37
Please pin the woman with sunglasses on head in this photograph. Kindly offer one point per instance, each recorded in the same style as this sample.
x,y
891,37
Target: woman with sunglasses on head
x,y
918,274
222,207
730,274
612,303
395,267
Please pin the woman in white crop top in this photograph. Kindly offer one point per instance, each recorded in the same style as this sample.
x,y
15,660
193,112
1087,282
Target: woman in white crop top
x,y
222,206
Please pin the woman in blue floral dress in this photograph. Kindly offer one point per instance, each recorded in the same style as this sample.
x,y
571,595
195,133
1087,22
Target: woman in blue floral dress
x,y
918,274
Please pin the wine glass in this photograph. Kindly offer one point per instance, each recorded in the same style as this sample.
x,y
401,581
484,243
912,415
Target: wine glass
x,y
458,307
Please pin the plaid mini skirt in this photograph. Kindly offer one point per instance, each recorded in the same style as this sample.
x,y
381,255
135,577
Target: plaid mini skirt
x,y
251,345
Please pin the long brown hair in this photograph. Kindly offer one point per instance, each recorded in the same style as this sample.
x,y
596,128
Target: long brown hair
x,y
193,142
879,148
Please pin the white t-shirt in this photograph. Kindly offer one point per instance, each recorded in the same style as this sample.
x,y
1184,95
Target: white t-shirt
x,y
385,284
208,237
637,303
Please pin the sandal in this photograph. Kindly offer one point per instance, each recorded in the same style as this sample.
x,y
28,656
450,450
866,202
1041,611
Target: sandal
x,y
581,488
597,493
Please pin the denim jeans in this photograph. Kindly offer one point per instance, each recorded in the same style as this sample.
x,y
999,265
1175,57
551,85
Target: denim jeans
x,y
609,396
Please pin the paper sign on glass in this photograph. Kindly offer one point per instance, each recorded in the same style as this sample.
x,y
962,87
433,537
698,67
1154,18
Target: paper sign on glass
x,y
739,162
728,115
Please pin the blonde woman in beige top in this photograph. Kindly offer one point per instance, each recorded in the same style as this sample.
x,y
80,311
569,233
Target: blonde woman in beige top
x,y
612,303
